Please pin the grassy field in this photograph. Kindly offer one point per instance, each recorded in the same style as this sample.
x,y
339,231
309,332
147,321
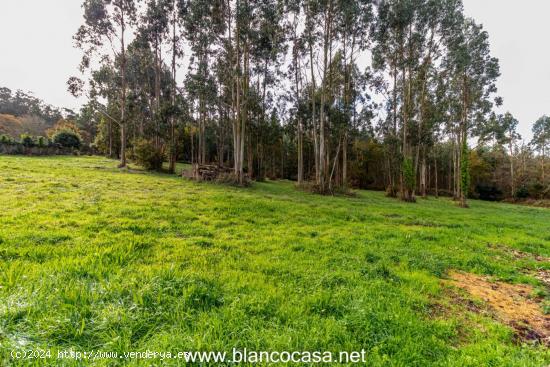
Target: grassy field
x,y
92,257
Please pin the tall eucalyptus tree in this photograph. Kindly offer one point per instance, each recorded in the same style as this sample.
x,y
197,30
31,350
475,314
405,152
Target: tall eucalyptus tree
x,y
541,141
104,33
510,125
473,73
355,28
154,27
204,23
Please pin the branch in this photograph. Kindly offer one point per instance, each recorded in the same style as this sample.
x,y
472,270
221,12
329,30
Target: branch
x,y
109,116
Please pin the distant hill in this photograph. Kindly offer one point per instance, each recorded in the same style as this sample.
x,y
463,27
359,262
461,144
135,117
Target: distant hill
x,y
22,113
15,126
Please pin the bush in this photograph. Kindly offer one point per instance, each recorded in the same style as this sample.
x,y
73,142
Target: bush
x,y
5,139
67,139
409,176
522,193
147,156
27,141
64,126
538,191
42,141
489,193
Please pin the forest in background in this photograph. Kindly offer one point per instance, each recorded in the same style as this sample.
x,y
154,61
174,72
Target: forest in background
x,y
395,95
23,113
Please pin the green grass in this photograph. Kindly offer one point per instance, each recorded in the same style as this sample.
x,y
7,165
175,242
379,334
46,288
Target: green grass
x,y
180,167
92,257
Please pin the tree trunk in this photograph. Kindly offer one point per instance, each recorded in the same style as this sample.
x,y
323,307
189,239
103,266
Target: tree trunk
x,y
158,61
300,154
326,45
404,191
250,158
436,175
542,163
192,147
110,133
463,142
423,177
512,178
238,110
456,183
244,116
122,145
345,161
394,148
299,122
313,122
334,165
123,97
173,150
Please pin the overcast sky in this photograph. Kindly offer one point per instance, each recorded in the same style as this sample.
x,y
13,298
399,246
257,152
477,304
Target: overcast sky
x,y
38,55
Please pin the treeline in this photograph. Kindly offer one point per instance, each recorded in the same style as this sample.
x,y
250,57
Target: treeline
x,y
388,94
28,125
19,103
22,113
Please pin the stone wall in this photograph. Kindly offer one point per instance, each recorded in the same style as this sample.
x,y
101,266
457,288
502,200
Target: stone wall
x,y
19,149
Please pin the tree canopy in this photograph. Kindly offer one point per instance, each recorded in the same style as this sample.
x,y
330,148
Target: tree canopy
x,y
385,94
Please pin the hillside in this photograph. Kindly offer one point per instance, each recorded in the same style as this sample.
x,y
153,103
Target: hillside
x,y
23,113
95,258
15,126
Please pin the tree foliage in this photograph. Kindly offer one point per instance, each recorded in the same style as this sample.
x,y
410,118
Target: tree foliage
x,y
381,94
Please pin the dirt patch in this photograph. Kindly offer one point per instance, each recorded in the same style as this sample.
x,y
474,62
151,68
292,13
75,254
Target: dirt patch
x,y
517,254
465,303
454,302
544,276
452,299
511,304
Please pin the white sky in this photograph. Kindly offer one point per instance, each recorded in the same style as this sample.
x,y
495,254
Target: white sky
x,y
520,38
37,51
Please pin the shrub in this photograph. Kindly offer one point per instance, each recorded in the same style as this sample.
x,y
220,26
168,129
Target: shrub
x,y
408,174
522,192
489,193
64,126
27,141
67,139
42,141
148,156
5,139
537,190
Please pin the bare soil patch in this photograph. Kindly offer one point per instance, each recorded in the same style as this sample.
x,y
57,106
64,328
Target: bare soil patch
x,y
511,303
519,254
544,276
